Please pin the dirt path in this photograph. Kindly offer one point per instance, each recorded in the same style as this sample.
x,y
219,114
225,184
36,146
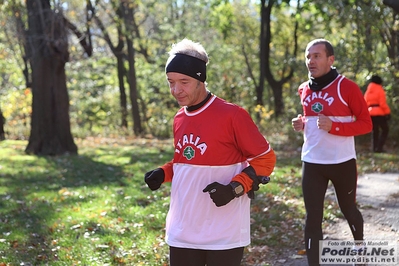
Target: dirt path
x,y
378,199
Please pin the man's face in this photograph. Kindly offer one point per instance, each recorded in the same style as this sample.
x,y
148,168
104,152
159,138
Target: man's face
x,y
317,61
186,90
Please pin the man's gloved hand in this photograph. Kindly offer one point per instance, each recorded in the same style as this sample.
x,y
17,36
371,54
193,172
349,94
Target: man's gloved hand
x,y
220,194
154,178
388,117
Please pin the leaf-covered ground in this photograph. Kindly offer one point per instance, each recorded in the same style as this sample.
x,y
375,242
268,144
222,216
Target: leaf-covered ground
x,y
94,208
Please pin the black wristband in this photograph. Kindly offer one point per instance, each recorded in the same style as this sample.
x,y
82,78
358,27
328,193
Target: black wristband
x,y
250,171
256,180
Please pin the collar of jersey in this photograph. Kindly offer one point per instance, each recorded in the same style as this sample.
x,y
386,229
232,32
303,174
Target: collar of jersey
x,y
201,108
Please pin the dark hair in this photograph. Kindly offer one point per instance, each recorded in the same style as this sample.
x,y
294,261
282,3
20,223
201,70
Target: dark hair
x,y
327,45
376,79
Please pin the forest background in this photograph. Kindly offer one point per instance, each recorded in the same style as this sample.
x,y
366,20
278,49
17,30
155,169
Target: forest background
x,y
96,68
87,78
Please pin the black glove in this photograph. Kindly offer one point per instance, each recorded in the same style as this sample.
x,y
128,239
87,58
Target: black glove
x,y
154,178
387,117
220,194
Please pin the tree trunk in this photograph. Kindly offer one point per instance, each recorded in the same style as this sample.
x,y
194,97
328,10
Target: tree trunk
x,y
137,128
122,91
266,71
129,24
118,52
47,38
2,122
262,41
278,99
394,4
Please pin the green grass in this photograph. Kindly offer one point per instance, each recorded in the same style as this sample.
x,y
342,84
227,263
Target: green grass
x,y
95,209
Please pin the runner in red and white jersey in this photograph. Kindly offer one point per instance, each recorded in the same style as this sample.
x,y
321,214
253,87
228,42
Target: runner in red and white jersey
x,y
220,159
334,111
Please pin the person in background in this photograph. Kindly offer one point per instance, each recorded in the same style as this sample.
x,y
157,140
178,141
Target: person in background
x,y
379,111
334,111
220,159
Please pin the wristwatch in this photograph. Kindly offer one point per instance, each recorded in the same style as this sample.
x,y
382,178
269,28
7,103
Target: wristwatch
x,y
238,189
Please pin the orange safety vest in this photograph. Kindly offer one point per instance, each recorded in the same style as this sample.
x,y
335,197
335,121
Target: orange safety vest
x,y
376,100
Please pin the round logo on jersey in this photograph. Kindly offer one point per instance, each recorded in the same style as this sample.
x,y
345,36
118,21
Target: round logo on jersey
x,y
189,153
317,107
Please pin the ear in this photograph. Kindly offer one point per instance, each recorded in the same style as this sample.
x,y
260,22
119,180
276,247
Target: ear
x,y
331,59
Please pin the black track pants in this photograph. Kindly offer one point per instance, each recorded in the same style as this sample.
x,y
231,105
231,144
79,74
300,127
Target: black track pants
x,y
198,257
379,137
315,178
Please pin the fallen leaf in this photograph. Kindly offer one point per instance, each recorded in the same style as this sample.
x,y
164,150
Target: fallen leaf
x,y
301,252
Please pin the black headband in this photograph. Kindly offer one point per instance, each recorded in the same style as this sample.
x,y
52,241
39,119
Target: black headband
x,y
188,65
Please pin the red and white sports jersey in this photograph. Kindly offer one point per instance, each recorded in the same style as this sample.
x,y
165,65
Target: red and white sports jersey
x,y
342,101
212,144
